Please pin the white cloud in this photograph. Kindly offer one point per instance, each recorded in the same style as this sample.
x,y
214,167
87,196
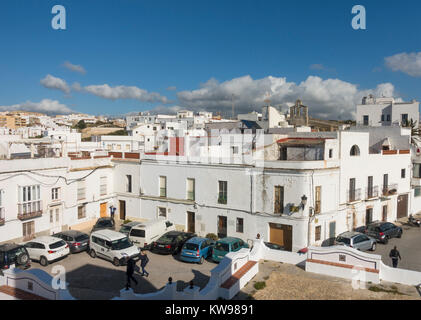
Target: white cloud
x,y
409,63
44,106
327,99
317,66
52,82
74,67
125,92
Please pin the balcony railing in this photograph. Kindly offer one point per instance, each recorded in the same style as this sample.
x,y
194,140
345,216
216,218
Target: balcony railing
x,y
354,195
2,219
30,210
372,193
390,189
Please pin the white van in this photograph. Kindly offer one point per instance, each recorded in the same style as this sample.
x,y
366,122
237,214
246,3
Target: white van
x,y
145,233
113,246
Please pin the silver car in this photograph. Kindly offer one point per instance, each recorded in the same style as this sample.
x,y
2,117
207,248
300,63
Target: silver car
x,y
356,240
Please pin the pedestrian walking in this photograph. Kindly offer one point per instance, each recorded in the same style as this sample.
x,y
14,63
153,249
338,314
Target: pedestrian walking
x,y
112,211
395,255
143,262
129,271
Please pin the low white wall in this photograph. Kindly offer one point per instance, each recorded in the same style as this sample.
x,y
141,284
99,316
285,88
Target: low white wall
x,y
408,277
261,252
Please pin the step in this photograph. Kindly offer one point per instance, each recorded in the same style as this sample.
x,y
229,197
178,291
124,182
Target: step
x,y
20,294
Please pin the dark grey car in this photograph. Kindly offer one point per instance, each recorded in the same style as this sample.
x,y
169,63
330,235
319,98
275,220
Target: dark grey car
x,y
104,223
356,240
77,241
383,231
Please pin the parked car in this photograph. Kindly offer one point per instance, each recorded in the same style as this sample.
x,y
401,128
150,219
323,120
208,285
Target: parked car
x,y
12,253
127,227
47,249
171,242
226,245
356,240
145,233
274,246
113,246
77,241
104,223
383,231
197,249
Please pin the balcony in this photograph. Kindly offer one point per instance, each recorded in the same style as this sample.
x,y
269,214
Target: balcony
x,y
29,210
354,195
390,189
372,192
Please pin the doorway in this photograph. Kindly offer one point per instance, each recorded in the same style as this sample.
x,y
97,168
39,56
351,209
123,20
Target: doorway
x,y
55,219
122,210
222,227
103,210
368,216
402,206
281,234
191,222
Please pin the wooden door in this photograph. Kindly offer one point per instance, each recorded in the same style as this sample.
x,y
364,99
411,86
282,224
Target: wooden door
x,y
368,216
281,234
222,227
122,210
402,206
103,210
191,222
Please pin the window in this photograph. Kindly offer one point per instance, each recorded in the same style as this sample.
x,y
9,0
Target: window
x,y
417,191
384,214
29,199
330,153
234,150
279,199
128,183
239,225
81,212
365,120
403,173
355,151
417,170
51,216
318,206
103,186
404,118
55,193
318,233
81,190
162,212
222,195
190,189
163,187
370,187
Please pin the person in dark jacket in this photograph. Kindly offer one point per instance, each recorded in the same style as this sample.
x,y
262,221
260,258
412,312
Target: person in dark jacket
x,y
395,255
129,271
143,262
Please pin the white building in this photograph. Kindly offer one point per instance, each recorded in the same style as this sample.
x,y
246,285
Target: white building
x,y
386,112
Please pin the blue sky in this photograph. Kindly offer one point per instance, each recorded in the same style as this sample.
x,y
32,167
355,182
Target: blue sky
x,y
205,52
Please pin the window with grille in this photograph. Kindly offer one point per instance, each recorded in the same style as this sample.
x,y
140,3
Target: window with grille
x,y
190,189
55,193
240,225
103,186
318,203
162,212
81,212
163,187
81,190
318,233
29,199
128,183
223,194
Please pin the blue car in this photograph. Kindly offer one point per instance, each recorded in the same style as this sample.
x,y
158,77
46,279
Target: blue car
x,y
197,249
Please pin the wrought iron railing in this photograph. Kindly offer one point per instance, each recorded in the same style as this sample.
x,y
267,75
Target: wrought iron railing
x,y
29,210
354,195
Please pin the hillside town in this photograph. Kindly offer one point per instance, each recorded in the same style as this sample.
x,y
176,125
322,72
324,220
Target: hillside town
x,y
288,181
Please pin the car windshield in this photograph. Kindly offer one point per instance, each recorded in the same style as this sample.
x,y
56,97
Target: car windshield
x,y
121,244
191,246
168,238
12,254
222,246
81,237
57,244
125,229
104,223
343,240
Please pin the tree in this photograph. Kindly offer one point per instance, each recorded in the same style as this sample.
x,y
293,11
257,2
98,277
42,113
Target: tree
x,y
415,131
81,125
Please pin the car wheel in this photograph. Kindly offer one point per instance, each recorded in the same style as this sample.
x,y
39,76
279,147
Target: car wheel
x,y
43,261
22,258
116,262
373,247
400,234
386,240
92,254
202,258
